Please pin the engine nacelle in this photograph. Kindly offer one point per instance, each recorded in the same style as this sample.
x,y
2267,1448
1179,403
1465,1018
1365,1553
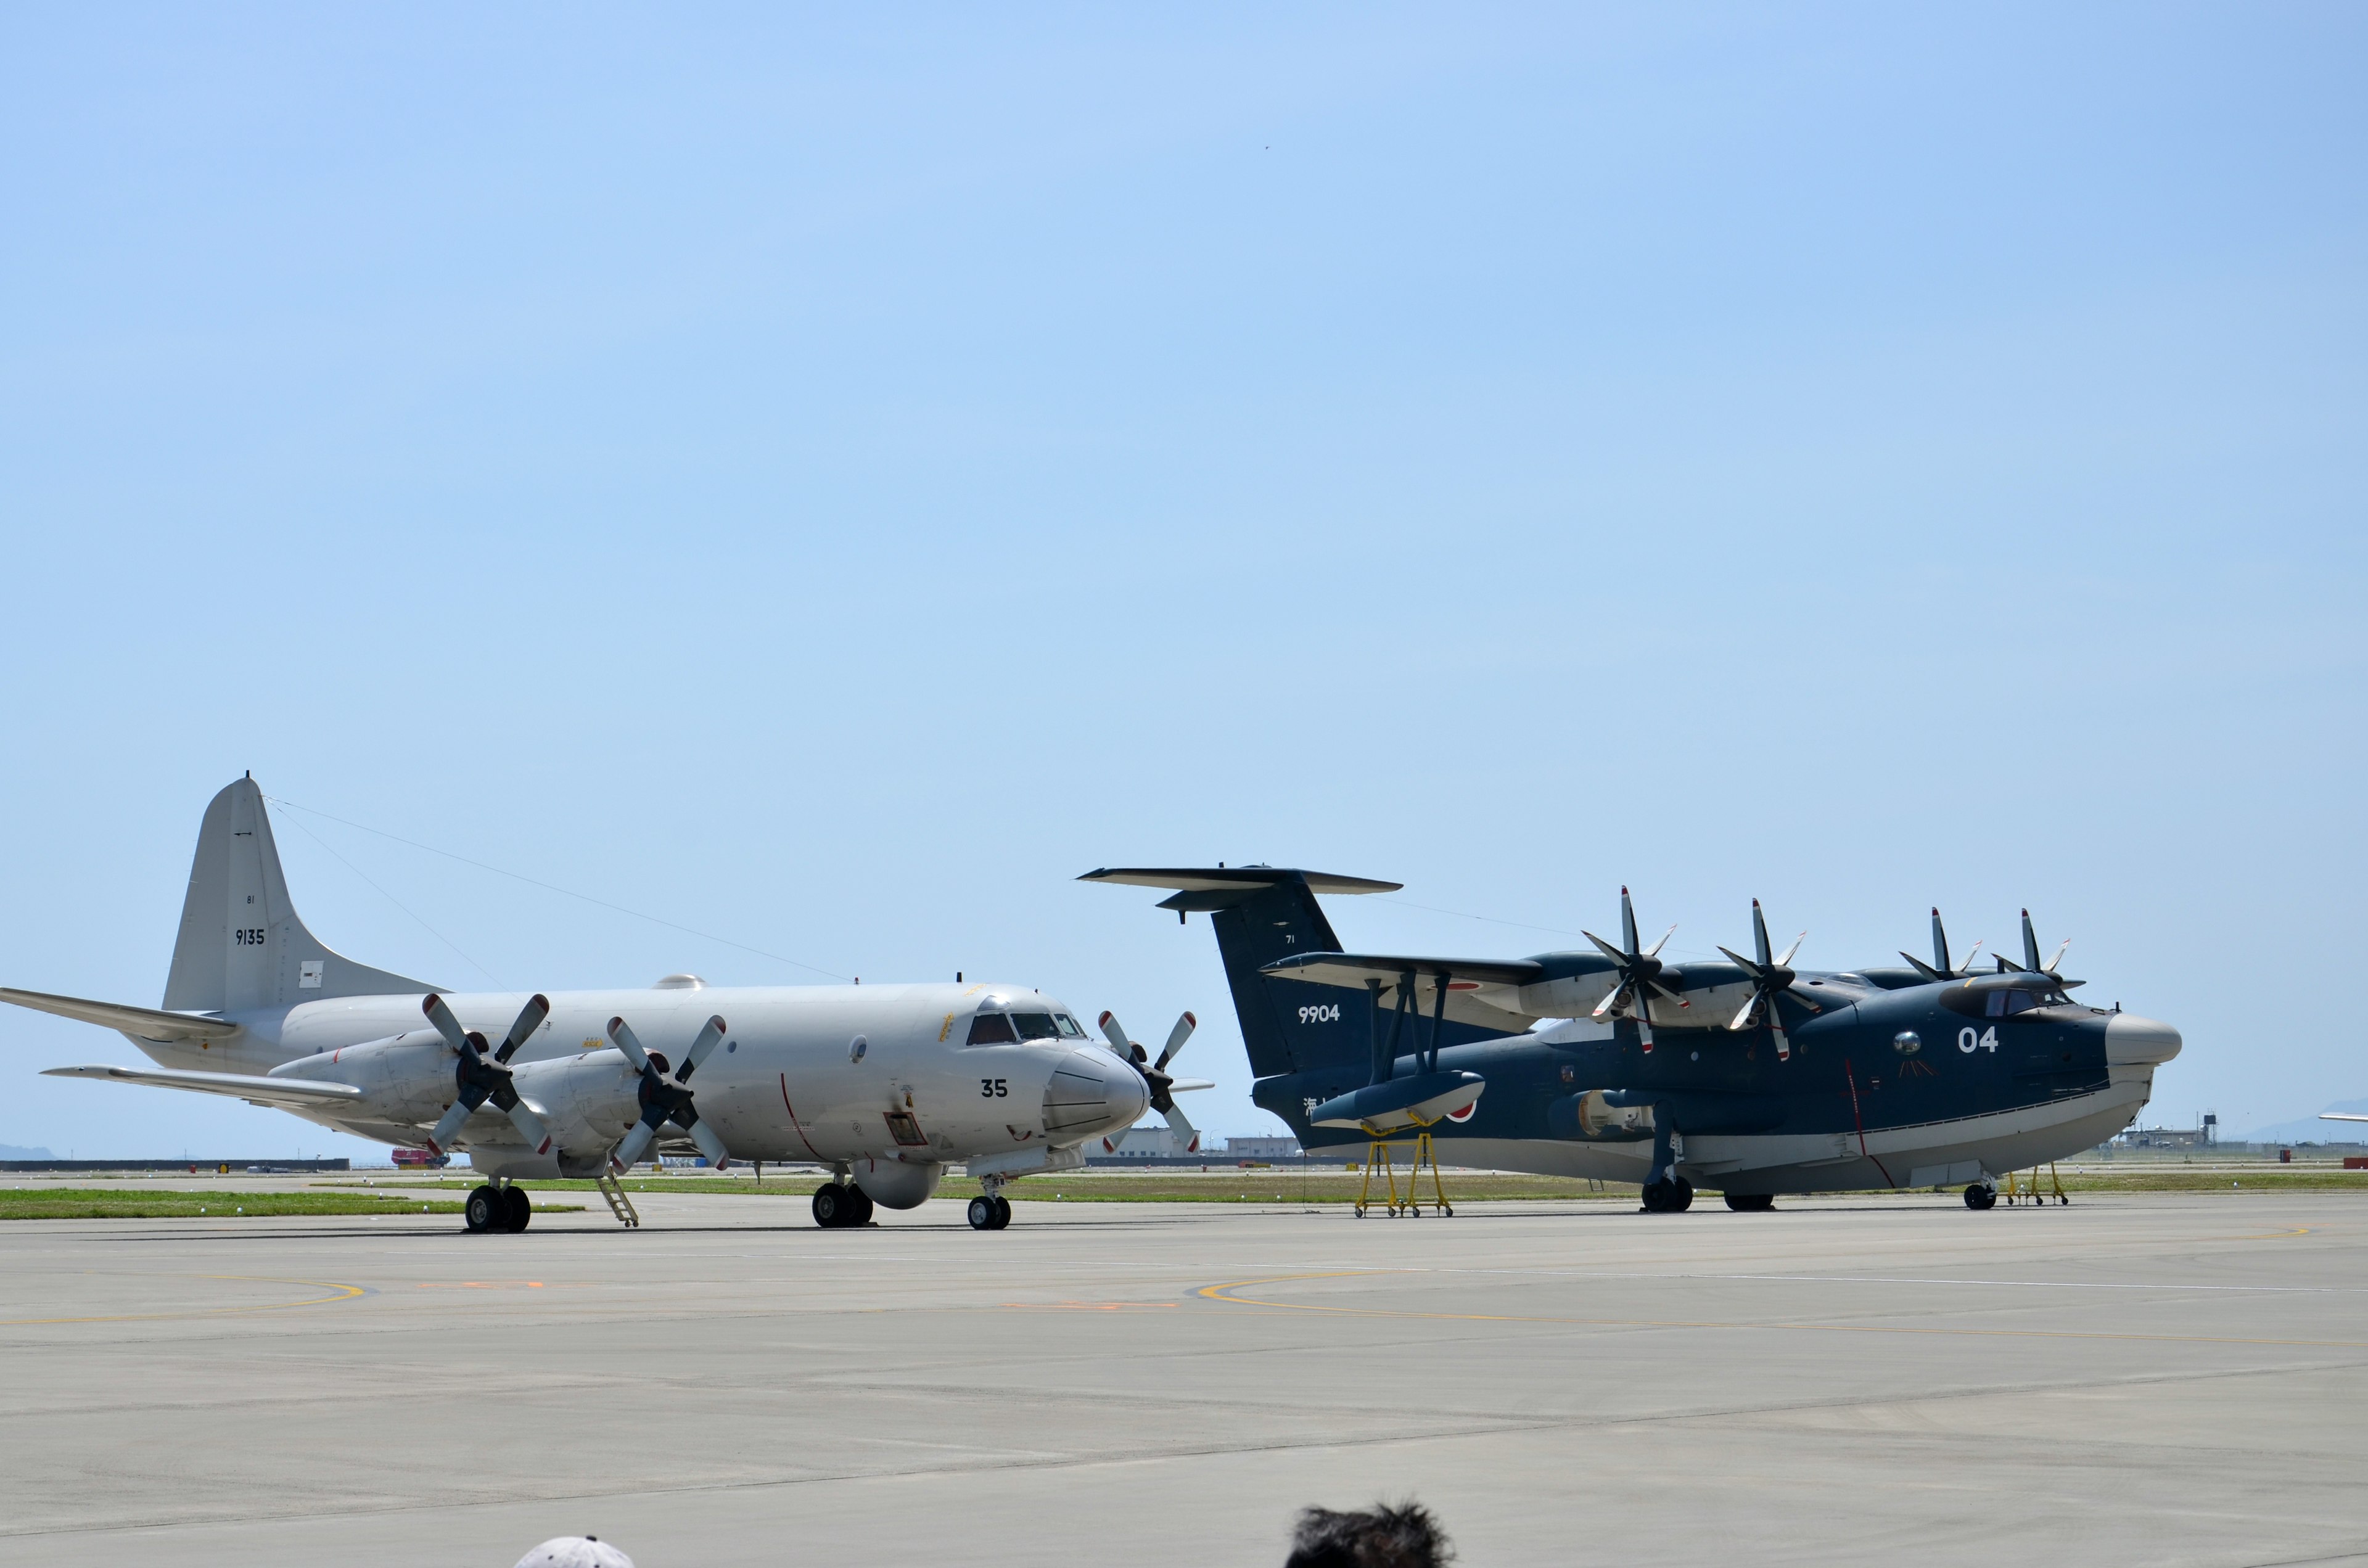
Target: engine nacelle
x,y
898,1184
588,1102
1591,1116
406,1077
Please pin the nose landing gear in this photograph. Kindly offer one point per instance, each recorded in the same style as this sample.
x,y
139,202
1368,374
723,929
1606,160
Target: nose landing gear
x,y
1981,1195
989,1211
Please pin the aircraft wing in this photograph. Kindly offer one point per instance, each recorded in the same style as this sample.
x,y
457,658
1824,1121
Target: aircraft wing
x,y
1355,968
287,1093
148,1023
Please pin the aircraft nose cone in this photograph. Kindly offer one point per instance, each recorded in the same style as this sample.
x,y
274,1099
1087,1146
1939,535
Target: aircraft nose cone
x,y
1092,1092
2133,1041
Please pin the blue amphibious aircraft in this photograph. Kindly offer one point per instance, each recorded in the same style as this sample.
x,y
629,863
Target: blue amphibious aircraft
x,y
1748,1077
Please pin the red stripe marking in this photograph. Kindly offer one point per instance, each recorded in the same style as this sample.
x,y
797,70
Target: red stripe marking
x,y
794,1120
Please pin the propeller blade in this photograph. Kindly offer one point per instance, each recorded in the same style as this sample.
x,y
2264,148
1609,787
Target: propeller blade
x,y
447,1025
1776,1027
1655,951
628,1155
1627,923
1188,1137
1743,1019
710,1145
2030,944
1785,961
1608,950
1645,1025
1180,1086
1920,967
529,1019
1176,1039
1756,970
449,1127
1116,1036
708,1037
1940,945
1613,1000
620,1035
530,1125
2050,965
1972,953
1758,935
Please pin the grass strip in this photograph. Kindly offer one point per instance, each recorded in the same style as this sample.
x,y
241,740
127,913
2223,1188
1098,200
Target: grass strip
x,y
97,1203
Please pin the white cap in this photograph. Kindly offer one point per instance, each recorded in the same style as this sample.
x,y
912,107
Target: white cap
x,y
575,1551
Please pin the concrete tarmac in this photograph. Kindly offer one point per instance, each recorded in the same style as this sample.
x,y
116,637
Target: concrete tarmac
x,y
2133,1380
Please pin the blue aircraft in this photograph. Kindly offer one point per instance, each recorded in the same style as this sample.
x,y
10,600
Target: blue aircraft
x,y
1748,1077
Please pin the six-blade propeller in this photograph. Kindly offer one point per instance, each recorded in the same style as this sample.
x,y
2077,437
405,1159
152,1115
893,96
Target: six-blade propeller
x,y
1939,968
1639,969
2031,964
1771,977
480,1077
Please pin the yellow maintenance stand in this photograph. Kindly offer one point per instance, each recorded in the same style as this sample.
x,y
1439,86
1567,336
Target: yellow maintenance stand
x,y
2027,1191
1425,1157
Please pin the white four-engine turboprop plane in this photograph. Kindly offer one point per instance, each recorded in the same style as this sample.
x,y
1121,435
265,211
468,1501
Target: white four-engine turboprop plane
x,y
887,1085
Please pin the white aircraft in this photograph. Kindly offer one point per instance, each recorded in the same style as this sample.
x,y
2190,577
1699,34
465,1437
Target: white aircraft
x,y
885,1085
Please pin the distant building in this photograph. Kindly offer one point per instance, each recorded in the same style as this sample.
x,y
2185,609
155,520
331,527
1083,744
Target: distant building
x,y
1155,1141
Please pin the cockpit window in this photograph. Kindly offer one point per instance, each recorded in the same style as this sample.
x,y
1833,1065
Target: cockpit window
x,y
2007,1003
1035,1026
1068,1026
992,1029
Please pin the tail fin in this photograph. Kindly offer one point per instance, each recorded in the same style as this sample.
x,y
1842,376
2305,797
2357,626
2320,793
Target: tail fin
x,y
242,946
1262,913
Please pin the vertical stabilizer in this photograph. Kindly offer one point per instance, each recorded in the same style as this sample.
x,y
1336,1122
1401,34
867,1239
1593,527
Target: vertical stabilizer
x,y
242,946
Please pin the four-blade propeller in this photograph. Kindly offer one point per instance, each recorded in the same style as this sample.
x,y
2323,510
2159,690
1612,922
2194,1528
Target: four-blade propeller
x,y
481,1077
665,1099
1639,969
1163,1086
1771,977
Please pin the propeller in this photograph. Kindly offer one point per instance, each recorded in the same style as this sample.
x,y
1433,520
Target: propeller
x,y
665,1099
1770,978
2031,964
1639,969
1163,1086
1939,968
480,1077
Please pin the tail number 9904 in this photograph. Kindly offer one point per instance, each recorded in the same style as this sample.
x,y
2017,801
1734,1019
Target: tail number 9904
x,y
1321,1013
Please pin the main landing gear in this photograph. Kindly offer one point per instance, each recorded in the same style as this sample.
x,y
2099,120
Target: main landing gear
x,y
492,1208
1981,1195
1670,1195
989,1211
837,1206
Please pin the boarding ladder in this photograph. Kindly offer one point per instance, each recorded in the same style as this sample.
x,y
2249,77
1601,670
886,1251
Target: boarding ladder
x,y
618,1204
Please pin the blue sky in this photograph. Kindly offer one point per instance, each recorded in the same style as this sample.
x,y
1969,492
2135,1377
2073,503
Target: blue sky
x,y
827,479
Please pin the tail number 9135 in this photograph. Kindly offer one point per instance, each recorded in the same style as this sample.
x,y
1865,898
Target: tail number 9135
x,y
1321,1013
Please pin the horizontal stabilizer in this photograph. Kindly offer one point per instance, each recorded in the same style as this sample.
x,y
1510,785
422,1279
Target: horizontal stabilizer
x,y
147,1023
1355,968
1240,880
287,1093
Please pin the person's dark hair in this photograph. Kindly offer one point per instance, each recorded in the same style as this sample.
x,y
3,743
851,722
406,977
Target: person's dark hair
x,y
1379,1536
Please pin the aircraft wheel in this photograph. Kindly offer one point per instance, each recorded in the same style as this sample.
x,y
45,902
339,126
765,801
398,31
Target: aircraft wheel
x,y
863,1207
1002,1212
1751,1202
482,1212
1657,1197
981,1213
831,1206
517,1210
1980,1197
1681,1195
